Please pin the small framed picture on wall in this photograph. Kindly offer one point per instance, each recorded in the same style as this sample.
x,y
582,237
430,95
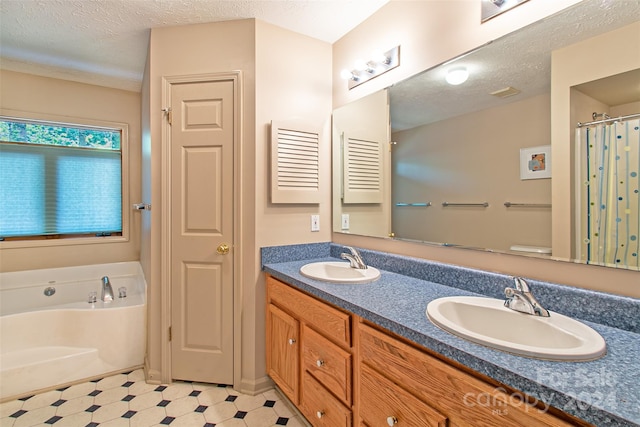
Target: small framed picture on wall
x,y
535,162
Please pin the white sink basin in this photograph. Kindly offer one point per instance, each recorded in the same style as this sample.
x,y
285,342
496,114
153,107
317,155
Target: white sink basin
x,y
339,272
487,321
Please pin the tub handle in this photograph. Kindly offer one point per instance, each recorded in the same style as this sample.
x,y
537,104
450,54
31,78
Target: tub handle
x,y
93,297
50,290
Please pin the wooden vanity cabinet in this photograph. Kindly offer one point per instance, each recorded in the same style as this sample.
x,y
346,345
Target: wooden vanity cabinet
x,y
340,370
383,402
283,355
309,354
440,394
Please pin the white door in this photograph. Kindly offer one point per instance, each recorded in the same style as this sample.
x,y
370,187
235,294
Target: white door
x,y
202,139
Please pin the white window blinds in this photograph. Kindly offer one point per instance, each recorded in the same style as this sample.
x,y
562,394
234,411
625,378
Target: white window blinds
x,y
59,190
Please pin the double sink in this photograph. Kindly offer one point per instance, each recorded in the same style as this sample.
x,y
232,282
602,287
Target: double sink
x,y
487,321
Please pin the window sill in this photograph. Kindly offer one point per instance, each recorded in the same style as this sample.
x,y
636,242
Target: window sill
x,y
18,244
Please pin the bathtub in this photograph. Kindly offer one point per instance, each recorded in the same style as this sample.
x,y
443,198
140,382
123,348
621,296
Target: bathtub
x,y
51,335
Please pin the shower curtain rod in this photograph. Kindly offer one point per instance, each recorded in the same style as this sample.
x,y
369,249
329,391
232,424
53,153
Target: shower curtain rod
x,y
612,119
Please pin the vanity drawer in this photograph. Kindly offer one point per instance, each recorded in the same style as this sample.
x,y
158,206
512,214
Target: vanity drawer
x,y
331,322
328,363
464,398
320,407
385,403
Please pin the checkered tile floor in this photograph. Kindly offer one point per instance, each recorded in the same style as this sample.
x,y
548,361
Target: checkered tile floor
x,y
125,400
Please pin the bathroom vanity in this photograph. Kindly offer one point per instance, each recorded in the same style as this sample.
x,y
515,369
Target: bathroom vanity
x,y
367,355
316,353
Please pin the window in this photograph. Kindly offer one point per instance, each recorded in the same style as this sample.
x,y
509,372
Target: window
x,y
60,180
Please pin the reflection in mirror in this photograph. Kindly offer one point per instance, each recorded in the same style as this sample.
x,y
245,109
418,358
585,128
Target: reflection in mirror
x,y
487,141
361,165
607,152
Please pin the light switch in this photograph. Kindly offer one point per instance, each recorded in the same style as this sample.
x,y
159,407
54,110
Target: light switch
x,y
345,221
315,222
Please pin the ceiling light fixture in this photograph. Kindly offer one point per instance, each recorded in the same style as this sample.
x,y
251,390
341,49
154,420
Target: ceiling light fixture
x,y
380,63
457,76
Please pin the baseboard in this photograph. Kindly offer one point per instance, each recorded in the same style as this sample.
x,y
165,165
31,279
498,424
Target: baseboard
x,y
152,376
255,387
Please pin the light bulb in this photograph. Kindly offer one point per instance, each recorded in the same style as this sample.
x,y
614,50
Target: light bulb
x,y
378,57
360,65
346,74
457,76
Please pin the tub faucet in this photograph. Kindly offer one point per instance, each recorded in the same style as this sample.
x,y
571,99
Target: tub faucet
x,y
521,299
355,260
107,291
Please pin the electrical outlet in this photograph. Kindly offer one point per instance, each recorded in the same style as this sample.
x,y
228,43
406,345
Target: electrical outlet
x,y
345,221
315,222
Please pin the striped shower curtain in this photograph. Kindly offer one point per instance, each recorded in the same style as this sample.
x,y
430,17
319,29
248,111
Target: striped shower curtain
x,y
609,179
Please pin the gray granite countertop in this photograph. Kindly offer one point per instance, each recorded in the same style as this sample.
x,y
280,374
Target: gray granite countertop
x,y
604,392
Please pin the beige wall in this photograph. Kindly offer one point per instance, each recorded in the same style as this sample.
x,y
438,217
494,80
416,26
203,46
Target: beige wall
x,y
285,76
367,118
618,52
46,96
625,109
293,82
469,159
149,246
430,33
177,51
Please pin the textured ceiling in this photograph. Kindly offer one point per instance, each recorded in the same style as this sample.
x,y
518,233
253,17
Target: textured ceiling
x,y
105,41
521,60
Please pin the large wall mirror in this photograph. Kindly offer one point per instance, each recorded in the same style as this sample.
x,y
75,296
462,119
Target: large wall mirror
x,y
470,164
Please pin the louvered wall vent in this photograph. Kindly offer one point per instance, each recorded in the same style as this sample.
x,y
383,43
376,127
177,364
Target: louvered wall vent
x,y
362,170
295,163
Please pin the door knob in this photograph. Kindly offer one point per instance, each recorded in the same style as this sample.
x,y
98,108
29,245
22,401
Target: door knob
x,y
223,249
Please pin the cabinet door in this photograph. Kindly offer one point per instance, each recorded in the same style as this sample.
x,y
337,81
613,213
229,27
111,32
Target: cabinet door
x,y
463,398
283,351
329,321
327,363
384,403
320,407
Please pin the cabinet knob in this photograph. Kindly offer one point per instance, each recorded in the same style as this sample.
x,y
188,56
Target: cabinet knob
x,y
391,421
292,341
320,414
319,363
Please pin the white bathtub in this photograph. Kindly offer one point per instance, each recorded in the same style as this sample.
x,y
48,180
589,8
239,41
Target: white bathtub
x,y
46,341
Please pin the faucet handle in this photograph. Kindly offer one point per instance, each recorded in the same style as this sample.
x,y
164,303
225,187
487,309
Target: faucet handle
x,y
521,299
352,250
509,293
521,284
354,258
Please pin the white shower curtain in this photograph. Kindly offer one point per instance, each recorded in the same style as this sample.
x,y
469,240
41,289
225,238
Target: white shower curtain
x,y
609,180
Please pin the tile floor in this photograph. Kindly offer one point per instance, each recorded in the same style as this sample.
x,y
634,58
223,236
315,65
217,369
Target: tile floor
x,y
126,400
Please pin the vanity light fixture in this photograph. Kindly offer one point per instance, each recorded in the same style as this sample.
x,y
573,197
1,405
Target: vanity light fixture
x,y
380,63
492,8
457,76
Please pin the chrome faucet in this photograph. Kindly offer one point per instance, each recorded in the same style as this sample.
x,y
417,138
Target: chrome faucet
x,y
521,299
355,260
107,291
